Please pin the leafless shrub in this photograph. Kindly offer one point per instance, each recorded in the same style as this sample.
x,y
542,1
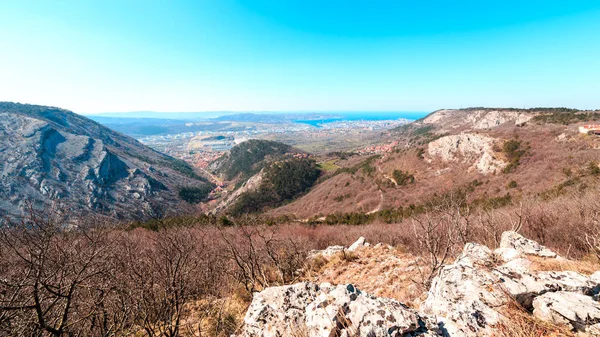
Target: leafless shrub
x,y
438,241
52,277
159,271
261,258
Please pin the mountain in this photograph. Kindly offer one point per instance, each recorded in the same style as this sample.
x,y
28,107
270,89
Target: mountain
x,y
248,158
279,182
492,156
49,155
263,174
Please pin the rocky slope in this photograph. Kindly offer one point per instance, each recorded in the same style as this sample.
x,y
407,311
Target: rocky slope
x,y
473,296
478,118
490,152
52,155
467,147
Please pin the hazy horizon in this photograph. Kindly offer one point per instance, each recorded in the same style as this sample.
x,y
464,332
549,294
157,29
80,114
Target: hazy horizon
x,y
213,114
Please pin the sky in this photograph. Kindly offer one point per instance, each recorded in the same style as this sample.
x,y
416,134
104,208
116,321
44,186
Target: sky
x,y
94,56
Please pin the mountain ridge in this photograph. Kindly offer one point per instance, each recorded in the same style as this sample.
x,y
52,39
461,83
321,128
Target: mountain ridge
x,y
52,155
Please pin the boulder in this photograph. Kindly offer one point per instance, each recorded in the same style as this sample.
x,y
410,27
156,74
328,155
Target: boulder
x,y
327,252
279,311
475,254
307,309
361,242
525,285
522,245
332,250
465,294
578,311
522,285
569,281
507,254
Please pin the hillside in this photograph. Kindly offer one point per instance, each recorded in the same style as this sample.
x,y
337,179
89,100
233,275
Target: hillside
x,y
280,182
50,155
248,158
465,247
495,156
262,174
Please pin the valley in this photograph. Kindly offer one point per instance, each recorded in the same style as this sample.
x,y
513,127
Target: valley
x,y
302,168
502,200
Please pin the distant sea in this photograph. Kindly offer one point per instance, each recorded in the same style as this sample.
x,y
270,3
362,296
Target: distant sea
x,y
364,116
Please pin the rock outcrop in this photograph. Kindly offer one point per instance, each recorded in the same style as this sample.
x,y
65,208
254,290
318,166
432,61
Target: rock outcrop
x,y
332,250
468,298
513,240
468,148
311,310
580,312
477,119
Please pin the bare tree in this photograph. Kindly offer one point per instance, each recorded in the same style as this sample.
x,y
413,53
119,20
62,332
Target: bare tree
x,y
49,275
161,273
438,240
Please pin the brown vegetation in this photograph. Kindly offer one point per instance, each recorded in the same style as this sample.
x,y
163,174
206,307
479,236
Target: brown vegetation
x,y
195,278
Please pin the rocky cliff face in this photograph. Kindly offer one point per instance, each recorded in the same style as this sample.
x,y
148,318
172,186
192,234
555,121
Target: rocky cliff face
x,y
477,119
468,298
468,147
52,155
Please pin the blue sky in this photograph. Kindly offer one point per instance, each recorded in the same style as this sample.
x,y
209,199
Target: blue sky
x,y
222,55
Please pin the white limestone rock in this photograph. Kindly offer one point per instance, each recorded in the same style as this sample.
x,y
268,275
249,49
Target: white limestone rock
x,y
279,311
507,254
327,252
469,148
465,294
361,242
595,277
516,241
579,311
310,310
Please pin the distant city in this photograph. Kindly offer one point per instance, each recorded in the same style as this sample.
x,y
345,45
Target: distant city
x,y
199,139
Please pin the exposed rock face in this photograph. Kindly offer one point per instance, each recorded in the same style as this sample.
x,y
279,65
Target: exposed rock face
x,y
490,119
307,309
53,155
469,148
468,298
478,119
468,295
525,246
580,312
465,295
249,185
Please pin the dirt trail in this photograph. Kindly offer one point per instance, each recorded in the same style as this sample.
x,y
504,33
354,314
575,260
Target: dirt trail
x,y
378,208
212,176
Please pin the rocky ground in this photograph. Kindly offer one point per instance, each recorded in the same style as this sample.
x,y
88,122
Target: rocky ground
x,y
482,293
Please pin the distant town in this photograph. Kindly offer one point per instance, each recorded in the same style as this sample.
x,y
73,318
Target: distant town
x,y
202,147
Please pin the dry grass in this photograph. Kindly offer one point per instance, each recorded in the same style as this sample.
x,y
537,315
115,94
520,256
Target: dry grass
x,y
540,170
217,317
587,266
378,271
523,324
